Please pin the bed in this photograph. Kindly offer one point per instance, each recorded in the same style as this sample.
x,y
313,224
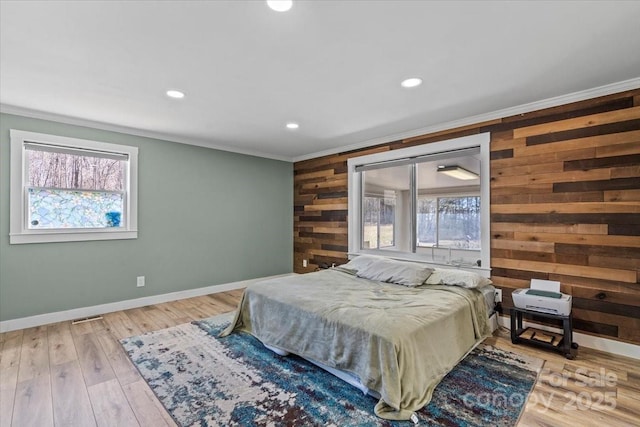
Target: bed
x,y
395,340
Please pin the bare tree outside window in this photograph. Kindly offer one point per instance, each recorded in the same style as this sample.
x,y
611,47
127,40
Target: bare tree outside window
x,y
61,170
449,222
379,222
459,222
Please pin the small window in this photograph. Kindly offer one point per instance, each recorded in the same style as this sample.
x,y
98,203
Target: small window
x,y
66,189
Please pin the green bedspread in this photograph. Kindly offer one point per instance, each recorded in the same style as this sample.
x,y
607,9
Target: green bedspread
x,y
398,341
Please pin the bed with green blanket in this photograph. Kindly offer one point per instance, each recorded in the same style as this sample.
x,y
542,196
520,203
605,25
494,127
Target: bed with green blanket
x,y
399,341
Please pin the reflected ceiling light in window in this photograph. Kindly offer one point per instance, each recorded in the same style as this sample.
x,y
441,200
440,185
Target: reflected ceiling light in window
x,y
292,125
412,82
458,172
280,5
175,94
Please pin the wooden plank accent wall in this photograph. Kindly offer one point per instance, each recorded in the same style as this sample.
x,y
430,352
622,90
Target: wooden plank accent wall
x,y
565,205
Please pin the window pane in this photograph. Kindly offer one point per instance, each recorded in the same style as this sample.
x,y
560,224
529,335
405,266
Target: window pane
x,y
459,222
448,216
371,214
387,220
426,221
385,192
51,208
61,170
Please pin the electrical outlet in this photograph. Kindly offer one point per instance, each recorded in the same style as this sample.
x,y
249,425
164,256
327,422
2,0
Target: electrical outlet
x,y
304,263
140,281
498,297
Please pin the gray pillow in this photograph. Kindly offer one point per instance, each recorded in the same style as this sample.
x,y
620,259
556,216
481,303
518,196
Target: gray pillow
x,y
383,269
462,278
361,262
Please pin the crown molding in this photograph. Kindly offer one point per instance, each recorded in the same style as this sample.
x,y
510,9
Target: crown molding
x,y
43,115
498,114
485,117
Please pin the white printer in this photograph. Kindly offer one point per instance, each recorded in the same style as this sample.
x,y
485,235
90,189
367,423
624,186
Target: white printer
x,y
543,296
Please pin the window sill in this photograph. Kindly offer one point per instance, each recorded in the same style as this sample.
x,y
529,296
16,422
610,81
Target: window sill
x,y
77,236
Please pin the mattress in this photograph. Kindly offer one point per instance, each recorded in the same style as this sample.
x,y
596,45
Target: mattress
x,y
376,331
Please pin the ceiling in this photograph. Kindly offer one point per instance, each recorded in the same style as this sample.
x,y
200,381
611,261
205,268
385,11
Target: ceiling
x,y
333,67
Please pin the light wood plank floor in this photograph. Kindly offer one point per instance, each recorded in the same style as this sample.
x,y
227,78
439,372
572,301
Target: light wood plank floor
x,y
78,375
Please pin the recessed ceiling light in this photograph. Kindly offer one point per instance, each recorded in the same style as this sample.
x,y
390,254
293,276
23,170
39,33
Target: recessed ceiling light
x,y
412,82
292,125
280,5
175,94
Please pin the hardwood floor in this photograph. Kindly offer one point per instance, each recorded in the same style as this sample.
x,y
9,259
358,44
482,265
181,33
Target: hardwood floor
x,y
78,375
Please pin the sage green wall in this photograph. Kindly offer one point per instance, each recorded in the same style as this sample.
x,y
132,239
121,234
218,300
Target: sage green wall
x,y
205,217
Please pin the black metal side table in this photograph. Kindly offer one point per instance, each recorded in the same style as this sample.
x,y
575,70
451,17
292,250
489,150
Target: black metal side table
x,y
564,344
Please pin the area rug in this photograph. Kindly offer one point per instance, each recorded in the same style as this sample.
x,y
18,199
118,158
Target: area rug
x,y
203,380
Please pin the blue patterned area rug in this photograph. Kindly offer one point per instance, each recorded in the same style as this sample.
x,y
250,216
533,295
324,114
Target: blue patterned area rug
x,y
235,381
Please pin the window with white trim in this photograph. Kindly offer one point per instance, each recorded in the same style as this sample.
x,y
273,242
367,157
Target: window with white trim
x,y
69,189
439,194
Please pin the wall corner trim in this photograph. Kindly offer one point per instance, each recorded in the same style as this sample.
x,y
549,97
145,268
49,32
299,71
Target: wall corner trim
x,y
76,313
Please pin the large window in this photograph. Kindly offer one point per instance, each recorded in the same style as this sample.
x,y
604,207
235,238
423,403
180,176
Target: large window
x,y
69,189
428,202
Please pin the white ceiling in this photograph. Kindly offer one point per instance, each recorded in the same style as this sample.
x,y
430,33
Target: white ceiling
x,y
332,66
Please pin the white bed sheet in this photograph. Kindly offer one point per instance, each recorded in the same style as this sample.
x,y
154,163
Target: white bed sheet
x,y
489,293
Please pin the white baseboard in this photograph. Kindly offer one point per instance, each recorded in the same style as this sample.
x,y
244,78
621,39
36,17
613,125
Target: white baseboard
x,y
78,313
585,340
